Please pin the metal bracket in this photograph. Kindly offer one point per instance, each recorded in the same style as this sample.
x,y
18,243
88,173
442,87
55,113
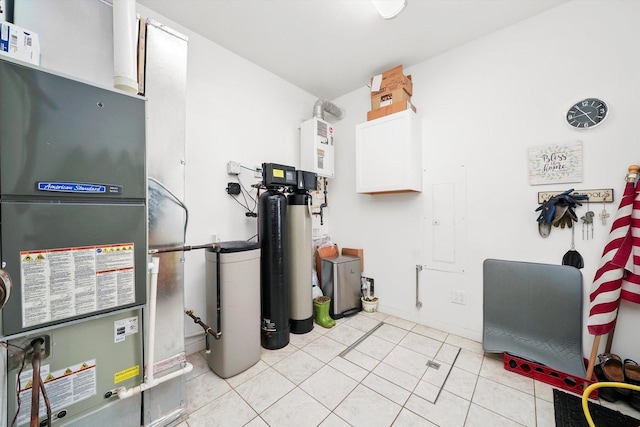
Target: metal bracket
x,y
418,302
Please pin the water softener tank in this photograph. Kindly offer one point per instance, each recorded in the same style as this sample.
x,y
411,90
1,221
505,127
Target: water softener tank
x,y
274,272
233,298
300,262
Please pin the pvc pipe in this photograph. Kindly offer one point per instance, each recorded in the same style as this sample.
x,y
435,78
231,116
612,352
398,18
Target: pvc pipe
x,y
154,266
150,381
126,393
125,42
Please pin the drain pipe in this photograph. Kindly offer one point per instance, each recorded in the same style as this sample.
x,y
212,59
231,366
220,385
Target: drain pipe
x,y
149,380
322,105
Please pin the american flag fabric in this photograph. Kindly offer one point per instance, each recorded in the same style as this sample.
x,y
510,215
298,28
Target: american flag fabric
x,y
619,273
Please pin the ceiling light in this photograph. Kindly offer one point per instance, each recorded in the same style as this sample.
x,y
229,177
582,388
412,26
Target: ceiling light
x,y
389,8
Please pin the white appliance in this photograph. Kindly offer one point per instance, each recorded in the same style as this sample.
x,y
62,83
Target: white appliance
x,y
316,147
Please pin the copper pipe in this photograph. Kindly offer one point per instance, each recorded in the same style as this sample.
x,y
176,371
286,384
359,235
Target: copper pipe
x,y
35,381
47,403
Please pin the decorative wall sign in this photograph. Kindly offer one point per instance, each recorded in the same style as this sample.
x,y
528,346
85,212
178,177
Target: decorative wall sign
x,y
557,163
604,195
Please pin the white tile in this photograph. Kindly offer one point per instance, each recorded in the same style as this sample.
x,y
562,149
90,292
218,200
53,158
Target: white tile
x,y
461,383
375,347
378,315
300,340
408,361
364,407
396,376
227,410
421,344
407,418
203,389
298,367
361,360
329,386
437,376
391,333
257,422
481,417
348,368
430,332
449,410
543,390
545,414
448,354
469,361
465,343
271,357
238,379
324,349
362,322
199,363
334,421
506,401
401,323
345,334
296,409
387,389
493,369
428,392
264,389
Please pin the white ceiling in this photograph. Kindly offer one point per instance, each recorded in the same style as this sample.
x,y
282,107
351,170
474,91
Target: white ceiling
x,y
332,47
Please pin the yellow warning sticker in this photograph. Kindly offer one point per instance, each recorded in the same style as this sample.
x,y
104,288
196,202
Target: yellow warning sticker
x,y
131,372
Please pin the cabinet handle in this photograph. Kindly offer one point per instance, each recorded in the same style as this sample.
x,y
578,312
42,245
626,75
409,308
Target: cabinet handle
x,y
418,302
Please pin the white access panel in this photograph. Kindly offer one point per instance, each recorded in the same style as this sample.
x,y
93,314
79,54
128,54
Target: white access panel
x,y
317,152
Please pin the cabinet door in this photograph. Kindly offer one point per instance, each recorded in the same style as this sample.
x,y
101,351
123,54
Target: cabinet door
x,y
388,157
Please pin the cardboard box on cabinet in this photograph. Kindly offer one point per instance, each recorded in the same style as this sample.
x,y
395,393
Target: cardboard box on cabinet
x,y
390,109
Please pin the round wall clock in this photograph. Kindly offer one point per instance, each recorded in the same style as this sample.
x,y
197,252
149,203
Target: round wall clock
x,y
587,113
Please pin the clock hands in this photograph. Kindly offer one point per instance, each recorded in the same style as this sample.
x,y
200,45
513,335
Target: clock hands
x,y
584,114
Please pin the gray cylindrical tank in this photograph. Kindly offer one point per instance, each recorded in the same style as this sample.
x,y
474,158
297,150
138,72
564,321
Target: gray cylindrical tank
x,y
233,287
300,263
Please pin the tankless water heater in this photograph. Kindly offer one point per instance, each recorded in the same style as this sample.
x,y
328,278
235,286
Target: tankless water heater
x,y
316,147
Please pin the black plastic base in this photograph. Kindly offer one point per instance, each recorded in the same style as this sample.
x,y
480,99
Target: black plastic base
x,y
301,326
274,340
346,313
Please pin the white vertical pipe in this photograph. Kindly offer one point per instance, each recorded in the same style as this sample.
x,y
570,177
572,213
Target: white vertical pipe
x,y
125,43
151,332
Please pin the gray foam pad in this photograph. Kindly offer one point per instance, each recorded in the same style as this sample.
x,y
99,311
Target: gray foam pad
x,y
534,311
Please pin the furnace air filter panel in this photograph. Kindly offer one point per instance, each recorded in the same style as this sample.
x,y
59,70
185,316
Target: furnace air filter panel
x,y
72,198
534,311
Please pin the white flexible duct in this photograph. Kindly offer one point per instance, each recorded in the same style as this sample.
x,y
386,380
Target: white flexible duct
x,y
149,379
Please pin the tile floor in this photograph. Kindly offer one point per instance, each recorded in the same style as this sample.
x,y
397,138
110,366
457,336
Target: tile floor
x,y
384,381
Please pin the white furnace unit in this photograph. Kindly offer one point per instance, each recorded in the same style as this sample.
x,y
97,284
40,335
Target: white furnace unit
x,y
316,147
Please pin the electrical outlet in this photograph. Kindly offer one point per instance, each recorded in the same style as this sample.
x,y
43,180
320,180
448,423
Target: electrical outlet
x,y
258,172
458,297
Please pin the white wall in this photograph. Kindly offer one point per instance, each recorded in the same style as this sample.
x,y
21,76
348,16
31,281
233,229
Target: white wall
x,y
235,111
482,105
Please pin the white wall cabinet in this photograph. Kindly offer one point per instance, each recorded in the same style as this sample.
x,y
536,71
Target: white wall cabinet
x,y
389,154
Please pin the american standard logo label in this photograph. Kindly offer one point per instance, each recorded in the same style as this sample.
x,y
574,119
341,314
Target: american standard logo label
x,y
78,187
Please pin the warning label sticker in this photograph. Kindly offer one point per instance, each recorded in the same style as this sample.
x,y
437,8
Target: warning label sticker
x,y
131,372
62,283
64,387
